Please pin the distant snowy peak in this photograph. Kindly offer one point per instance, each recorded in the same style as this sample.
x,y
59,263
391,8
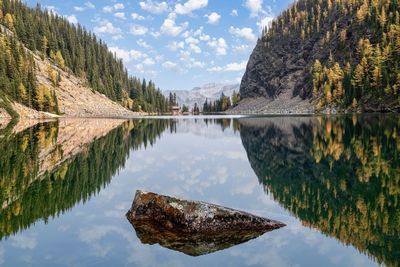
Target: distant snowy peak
x,y
211,91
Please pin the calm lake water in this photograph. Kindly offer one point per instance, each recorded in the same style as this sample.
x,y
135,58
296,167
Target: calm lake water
x,y
66,186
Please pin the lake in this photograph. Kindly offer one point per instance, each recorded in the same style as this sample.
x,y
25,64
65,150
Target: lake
x,y
335,181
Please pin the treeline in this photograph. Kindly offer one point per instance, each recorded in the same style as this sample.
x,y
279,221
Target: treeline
x,y
18,79
222,104
360,69
29,195
72,48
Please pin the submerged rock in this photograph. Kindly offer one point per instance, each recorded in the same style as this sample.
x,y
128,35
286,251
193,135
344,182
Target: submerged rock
x,y
192,227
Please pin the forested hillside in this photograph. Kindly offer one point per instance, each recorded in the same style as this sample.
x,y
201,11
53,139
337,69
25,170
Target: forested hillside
x,y
341,54
71,48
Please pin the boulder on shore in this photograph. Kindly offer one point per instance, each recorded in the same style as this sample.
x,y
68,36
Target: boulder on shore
x,y
193,227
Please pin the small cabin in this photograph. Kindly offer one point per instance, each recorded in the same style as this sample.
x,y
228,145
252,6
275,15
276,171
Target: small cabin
x,y
176,110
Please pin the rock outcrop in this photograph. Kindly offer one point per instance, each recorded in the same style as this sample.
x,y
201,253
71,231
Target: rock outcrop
x,y
277,79
192,227
338,38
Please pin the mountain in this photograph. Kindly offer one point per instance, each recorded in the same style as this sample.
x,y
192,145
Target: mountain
x,y
44,58
211,91
324,55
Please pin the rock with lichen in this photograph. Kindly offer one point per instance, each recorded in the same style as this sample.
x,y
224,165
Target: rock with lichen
x,y
193,227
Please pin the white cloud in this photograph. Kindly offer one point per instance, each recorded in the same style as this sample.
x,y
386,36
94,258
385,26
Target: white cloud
x,y
231,67
190,6
246,33
213,18
90,5
170,28
72,19
120,15
168,65
154,7
79,8
155,34
125,55
136,16
242,48
194,48
219,45
254,6
234,13
117,37
138,30
119,6
23,242
110,9
106,27
51,9
174,46
142,43
149,61
87,5
191,40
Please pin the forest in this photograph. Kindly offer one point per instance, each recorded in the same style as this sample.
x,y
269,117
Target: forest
x,y
71,48
356,66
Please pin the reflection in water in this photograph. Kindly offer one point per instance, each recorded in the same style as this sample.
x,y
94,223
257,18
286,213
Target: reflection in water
x,y
189,243
47,169
340,175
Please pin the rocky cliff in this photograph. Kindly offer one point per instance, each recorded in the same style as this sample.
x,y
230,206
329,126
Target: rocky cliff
x,y
326,56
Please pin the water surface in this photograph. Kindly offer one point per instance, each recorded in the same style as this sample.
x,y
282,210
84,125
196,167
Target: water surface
x,y
66,186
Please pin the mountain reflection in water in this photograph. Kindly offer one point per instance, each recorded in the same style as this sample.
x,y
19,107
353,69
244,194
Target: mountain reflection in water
x,y
339,175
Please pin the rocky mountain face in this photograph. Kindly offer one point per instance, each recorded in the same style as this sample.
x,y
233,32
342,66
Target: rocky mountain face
x,y
199,95
326,55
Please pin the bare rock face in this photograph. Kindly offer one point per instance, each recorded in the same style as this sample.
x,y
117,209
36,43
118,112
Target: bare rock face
x,y
192,227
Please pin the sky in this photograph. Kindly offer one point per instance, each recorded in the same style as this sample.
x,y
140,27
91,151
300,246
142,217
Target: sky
x,y
179,44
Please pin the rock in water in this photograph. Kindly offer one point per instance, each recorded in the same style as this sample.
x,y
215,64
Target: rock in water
x,y
192,227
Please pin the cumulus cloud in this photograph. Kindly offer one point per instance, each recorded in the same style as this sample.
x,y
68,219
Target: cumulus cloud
x,y
72,19
174,46
126,55
142,43
213,18
115,7
219,45
106,27
170,28
87,5
136,16
137,29
194,48
231,67
242,48
190,6
246,33
149,61
154,7
234,13
120,15
119,6
169,65
254,6
23,242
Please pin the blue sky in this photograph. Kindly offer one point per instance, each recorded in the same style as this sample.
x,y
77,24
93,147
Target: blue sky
x,y
179,44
